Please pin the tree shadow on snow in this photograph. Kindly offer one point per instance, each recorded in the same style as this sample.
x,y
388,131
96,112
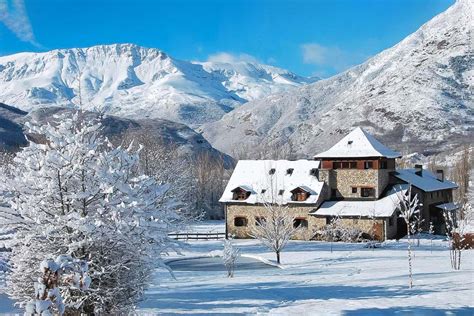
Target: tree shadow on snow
x,y
265,295
410,311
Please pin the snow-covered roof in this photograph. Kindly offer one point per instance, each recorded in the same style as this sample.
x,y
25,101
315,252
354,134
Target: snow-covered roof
x,y
254,176
383,207
358,144
448,206
427,182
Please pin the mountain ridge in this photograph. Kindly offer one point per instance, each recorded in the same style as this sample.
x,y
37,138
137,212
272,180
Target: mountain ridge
x,y
417,94
137,82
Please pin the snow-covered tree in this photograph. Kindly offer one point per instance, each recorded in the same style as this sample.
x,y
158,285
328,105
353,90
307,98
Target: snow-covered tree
x,y
332,230
455,232
431,231
63,272
229,256
408,206
275,228
74,193
416,227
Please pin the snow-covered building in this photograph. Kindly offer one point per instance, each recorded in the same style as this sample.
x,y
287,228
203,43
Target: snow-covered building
x,y
433,190
255,182
355,180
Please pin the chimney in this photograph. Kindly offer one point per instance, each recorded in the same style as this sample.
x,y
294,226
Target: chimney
x,y
440,174
419,170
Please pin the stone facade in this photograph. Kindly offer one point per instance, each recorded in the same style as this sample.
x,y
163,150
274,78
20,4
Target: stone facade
x,y
344,180
252,212
387,228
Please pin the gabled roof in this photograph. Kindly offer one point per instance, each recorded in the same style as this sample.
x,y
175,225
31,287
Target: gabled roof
x,y
381,208
245,188
358,144
254,177
303,188
427,182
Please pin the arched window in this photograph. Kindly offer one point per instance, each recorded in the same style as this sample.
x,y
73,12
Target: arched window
x,y
300,222
240,221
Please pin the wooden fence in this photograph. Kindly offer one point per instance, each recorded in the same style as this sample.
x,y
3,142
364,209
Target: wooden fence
x,y
197,236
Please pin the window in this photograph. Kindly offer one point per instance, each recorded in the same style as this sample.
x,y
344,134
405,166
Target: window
x,y
240,194
383,164
240,221
390,221
272,171
289,171
300,222
368,165
344,165
354,189
299,196
281,192
367,192
259,220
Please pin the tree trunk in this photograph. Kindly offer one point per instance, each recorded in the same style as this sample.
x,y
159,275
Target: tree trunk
x,y
278,257
410,276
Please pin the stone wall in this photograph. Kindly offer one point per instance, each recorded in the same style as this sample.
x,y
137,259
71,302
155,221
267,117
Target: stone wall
x,y
366,224
344,179
251,212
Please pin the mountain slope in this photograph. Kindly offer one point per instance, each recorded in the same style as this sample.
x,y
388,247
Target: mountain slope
x,y
11,131
417,95
136,82
187,142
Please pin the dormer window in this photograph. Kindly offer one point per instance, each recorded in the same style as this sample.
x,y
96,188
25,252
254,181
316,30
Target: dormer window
x,y
299,195
281,192
263,191
314,172
289,171
349,142
272,171
240,194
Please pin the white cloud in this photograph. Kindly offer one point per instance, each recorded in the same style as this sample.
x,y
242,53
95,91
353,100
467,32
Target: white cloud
x,y
224,57
13,15
328,56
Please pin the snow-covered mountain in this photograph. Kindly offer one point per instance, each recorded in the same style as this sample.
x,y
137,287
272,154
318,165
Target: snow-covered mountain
x,y
415,96
136,82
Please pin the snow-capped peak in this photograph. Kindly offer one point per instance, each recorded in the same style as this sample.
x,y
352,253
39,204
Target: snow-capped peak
x,y
134,81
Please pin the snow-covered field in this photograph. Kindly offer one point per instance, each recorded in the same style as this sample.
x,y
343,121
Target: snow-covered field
x,y
352,280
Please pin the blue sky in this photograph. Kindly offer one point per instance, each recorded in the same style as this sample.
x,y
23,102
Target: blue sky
x,y
319,37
